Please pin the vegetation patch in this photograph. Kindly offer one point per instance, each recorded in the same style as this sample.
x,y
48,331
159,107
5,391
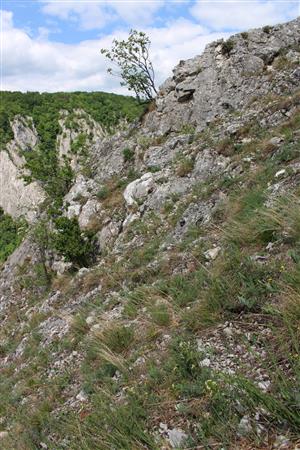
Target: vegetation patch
x,y
11,234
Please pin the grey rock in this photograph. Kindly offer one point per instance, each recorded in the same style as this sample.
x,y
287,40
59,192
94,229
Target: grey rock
x,y
81,396
205,362
139,189
276,140
82,188
280,173
161,156
60,267
212,253
211,77
244,427
73,210
89,214
18,198
3,435
208,163
282,442
25,134
176,437
107,235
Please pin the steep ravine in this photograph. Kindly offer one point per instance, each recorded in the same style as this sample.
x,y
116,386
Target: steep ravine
x,y
154,302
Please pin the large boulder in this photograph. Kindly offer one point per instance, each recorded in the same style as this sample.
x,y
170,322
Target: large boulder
x,y
139,189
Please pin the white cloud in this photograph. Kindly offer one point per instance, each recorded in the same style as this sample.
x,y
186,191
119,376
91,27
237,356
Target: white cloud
x,y
137,12
243,14
178,40
97,14
88,15
41,65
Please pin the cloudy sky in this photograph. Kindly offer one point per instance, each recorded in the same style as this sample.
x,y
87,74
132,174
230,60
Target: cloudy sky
x,y
55,45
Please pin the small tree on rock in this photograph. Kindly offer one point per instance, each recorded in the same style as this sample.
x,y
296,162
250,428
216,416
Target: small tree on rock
x,y
135,67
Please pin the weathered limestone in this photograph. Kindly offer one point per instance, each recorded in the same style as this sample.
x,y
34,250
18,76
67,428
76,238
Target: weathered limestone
x,y
16,197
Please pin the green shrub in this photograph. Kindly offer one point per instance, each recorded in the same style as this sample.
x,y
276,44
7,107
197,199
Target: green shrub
x,y
227,46
6,132
118,338
78,146
11,234
128,154
186,165
183,289
103,193
71,242
267,29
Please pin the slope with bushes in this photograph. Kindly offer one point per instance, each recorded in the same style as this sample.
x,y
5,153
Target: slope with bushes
x,y
183,329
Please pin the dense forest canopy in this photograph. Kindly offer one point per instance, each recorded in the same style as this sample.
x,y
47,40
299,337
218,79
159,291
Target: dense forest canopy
x,y
108,109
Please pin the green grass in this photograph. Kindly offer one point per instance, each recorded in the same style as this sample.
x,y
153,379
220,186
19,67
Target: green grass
x,y
160,315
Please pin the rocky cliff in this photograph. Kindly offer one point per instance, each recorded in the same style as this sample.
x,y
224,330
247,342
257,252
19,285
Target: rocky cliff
x,y
155,303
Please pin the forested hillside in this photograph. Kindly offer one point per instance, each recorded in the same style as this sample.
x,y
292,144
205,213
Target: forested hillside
x,y
107,109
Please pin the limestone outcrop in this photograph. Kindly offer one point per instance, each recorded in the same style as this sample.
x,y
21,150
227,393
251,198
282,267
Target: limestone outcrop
x,y
17,197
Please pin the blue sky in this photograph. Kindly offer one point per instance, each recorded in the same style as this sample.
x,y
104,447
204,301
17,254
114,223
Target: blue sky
x,y
51,45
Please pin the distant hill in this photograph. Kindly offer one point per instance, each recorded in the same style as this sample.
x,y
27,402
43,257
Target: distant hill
x,y
107,109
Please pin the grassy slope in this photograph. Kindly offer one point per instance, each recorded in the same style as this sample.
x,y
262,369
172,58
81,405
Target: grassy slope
x,y
254,288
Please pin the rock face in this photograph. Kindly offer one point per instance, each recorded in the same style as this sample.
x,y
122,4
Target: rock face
x,y
16,197
68,141
225,77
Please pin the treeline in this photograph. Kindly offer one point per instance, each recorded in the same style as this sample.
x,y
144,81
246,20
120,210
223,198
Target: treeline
x,y
108,109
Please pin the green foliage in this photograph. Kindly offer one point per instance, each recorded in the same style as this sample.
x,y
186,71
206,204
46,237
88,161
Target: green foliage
x,y
227,46
287,152
188,128
160,315
245,35
136,69
185,166
107,109
183,289
267,29
118,338
11,234
78,147
128,154
185,357
120,426
71,242
6,132
278,223
103,193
